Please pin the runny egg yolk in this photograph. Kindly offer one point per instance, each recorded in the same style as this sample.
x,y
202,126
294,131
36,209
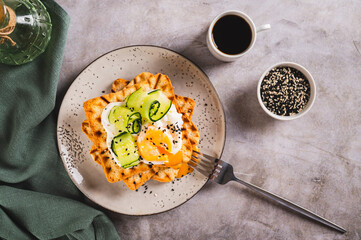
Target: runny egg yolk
x,y
184,169
175,160
154,145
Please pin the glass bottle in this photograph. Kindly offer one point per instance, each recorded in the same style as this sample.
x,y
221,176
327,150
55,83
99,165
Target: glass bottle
x,y
25,30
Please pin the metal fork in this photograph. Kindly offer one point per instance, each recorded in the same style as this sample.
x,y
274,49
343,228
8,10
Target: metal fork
x,y
222,172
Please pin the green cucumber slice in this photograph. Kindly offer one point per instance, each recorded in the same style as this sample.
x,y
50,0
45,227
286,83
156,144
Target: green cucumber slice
x,y
125,119
134,123
134,101
123,146
137,125
162,108
131,165
119,116
152,106
155,106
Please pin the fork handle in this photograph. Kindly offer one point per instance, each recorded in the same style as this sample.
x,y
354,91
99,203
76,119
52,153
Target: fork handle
x,y
291,205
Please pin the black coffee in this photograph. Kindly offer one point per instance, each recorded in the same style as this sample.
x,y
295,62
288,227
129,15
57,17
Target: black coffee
x,y
232,34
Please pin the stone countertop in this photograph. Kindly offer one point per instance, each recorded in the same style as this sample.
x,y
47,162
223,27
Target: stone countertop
x,y
314,161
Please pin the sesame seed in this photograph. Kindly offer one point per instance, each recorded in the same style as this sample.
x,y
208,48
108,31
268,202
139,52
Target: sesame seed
x,y
285,91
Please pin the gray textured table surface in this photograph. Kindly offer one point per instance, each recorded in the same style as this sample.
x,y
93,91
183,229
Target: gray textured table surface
x,y
314,160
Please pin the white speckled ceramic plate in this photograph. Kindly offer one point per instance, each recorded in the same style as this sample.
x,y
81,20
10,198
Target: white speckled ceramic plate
x,y
187,79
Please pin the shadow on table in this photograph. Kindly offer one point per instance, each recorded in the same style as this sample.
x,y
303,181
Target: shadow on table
x,y
197,51
246,113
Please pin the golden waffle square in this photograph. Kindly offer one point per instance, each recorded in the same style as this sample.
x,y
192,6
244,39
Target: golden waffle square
x,y
93,127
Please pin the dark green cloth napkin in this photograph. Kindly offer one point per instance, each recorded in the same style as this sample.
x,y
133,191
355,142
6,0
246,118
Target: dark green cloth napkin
x,y
37,198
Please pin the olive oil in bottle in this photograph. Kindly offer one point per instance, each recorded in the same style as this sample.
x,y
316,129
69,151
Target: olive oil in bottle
x,y
25,30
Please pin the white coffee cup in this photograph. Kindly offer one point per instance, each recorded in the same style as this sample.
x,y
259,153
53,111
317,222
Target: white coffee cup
x,y
232,57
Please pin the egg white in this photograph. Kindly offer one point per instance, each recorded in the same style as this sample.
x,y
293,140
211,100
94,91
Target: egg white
x,y
110,129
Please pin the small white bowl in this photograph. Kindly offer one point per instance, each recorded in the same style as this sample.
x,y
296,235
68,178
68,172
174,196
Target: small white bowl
x,y
312,89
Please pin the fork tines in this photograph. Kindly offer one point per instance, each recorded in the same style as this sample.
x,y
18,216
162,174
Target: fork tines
x,y
203,163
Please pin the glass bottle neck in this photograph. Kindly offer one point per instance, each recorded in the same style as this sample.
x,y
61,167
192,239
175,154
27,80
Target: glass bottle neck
x,y
4,15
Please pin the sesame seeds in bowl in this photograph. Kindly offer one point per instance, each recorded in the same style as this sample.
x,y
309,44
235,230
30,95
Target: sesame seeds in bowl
x,y
286,91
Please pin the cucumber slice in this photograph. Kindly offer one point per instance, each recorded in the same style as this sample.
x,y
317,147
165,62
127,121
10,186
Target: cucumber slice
x,y
131,165
119,116
155,106
125,119
152,106
123,146
134,123
162,108
134,101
